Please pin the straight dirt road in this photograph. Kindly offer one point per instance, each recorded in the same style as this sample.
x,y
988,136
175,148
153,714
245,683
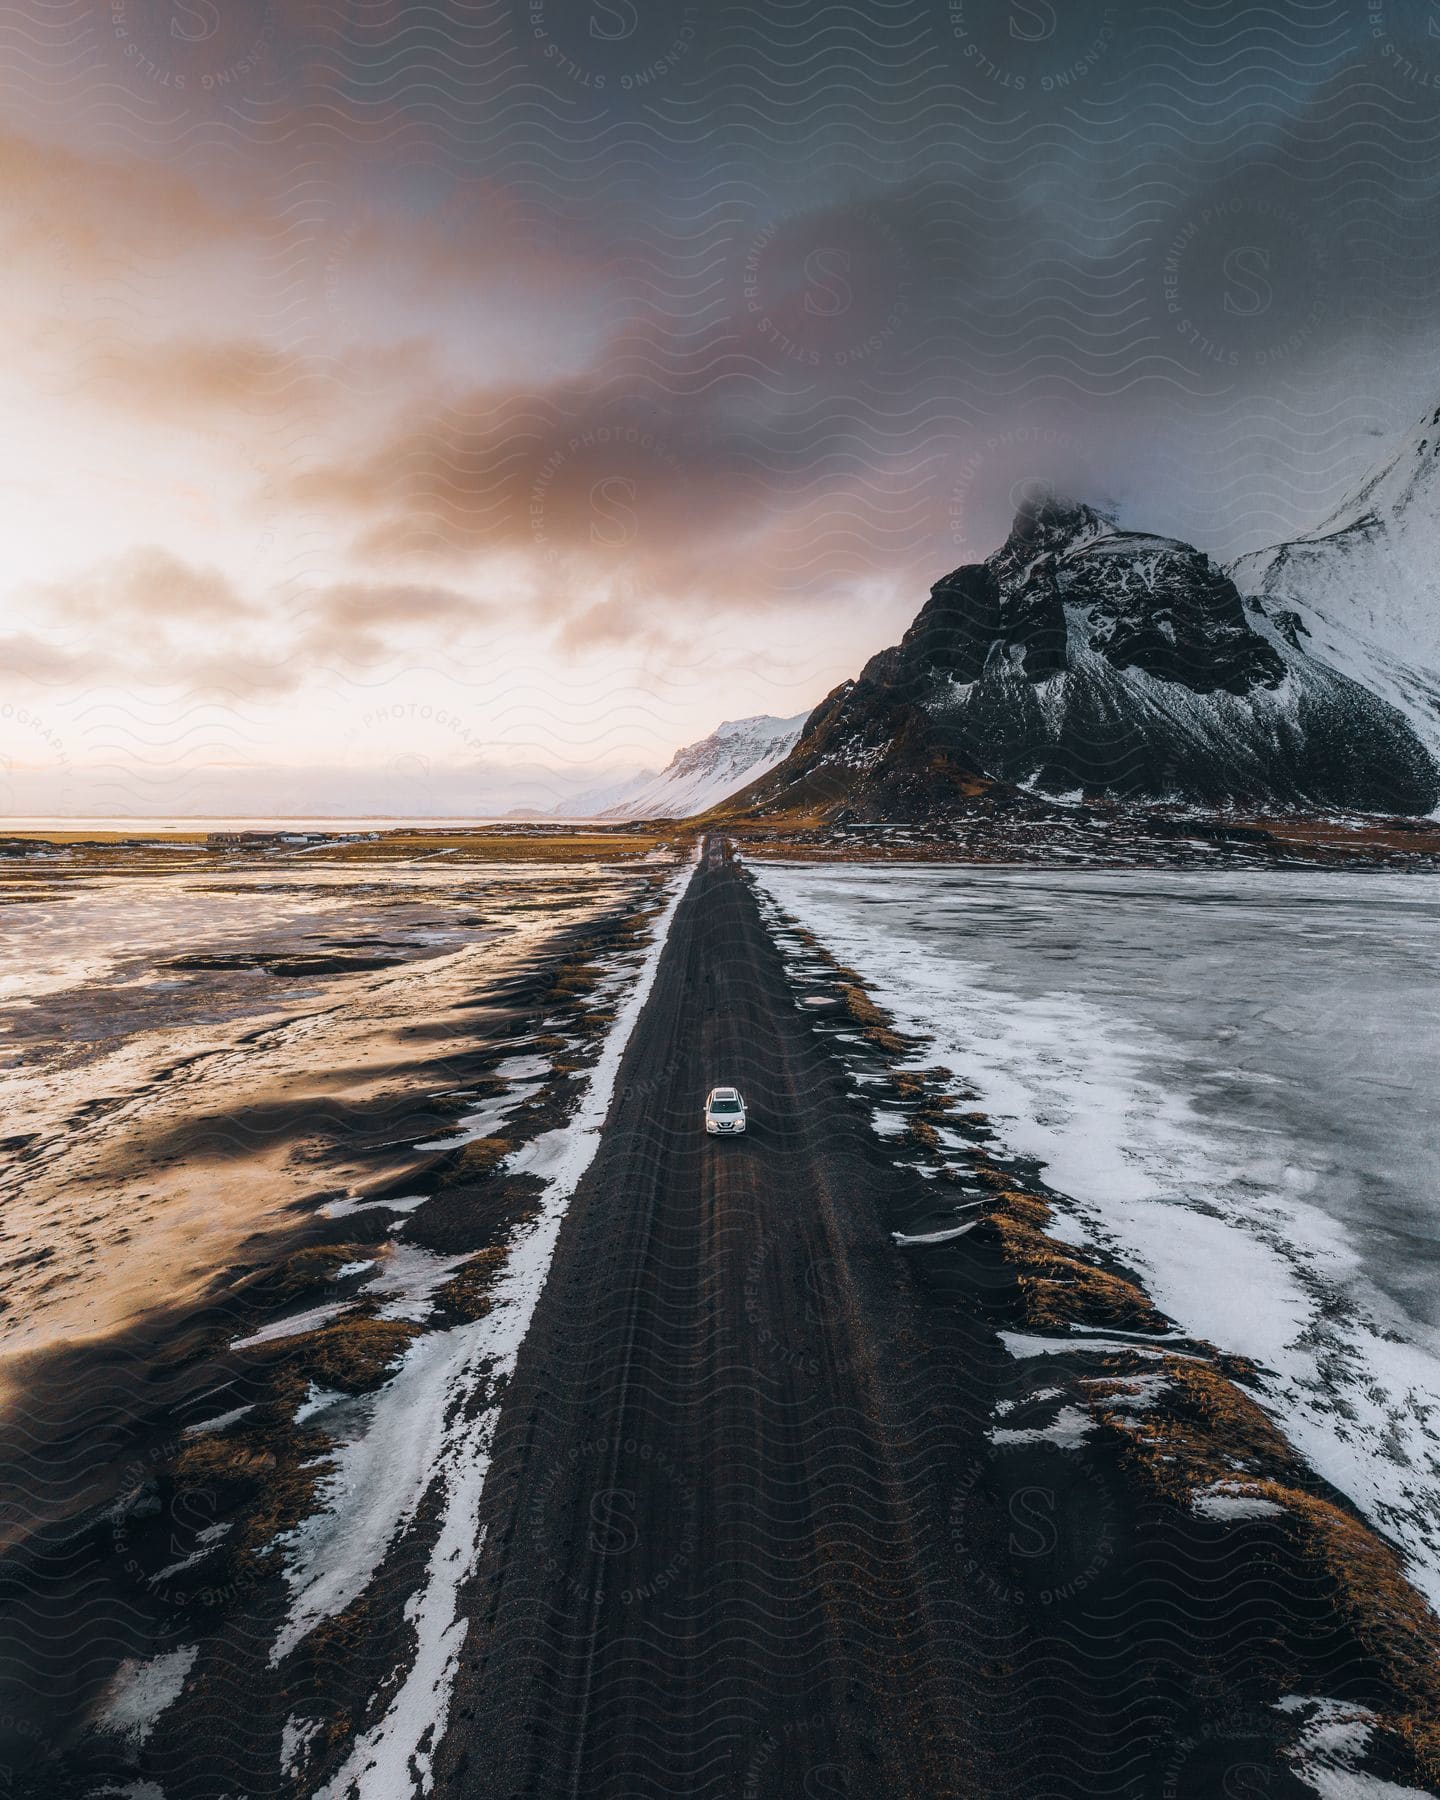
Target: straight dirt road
x,y
746,1534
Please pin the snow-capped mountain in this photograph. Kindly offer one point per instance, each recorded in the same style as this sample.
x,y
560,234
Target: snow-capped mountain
x,y
700,775
1364,588
1082,658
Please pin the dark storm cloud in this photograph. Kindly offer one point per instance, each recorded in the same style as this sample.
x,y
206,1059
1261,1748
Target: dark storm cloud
x,y
821,289
865,252
584,475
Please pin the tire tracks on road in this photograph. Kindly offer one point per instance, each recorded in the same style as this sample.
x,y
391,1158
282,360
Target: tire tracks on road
x,y
704,1572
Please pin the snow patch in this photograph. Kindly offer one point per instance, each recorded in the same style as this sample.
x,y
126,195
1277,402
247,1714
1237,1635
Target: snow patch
x,y
140,1690
206,1541
342,1209
1226,1501
220,1421
1067,1430
946,1236
317,1400
410,1275
296,1737
1021,1344
489,1116
311,1320
1332,1740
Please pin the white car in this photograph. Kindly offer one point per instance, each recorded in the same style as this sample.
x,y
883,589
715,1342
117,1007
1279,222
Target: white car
x,y
724,1111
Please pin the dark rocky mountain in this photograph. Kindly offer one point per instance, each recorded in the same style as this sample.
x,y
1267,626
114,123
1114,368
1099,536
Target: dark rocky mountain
x,y
1086,660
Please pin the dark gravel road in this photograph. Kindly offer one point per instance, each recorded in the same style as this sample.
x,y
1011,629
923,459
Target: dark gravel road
x,y
703,1574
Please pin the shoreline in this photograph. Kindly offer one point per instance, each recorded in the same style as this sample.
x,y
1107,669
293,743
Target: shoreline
x,y
1103,1373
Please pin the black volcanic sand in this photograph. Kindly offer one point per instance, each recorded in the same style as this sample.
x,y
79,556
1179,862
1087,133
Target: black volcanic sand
x,y
102,1499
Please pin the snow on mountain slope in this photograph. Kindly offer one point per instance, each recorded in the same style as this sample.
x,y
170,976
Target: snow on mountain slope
x,y
700,775
1364,589
1374,565
1083,657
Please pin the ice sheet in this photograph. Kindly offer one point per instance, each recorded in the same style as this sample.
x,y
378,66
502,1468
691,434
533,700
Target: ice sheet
x,y
1232,1077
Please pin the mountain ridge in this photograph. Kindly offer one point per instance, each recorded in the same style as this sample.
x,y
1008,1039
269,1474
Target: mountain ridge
x,y
1084,659
699,775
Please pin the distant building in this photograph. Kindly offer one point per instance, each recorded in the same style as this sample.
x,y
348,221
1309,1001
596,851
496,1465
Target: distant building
x,y
244,840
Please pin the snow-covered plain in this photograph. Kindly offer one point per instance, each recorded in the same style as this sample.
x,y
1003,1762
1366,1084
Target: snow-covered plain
x,y
1231,1079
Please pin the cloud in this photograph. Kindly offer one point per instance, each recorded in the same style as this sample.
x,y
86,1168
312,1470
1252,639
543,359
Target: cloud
x,y
350,605
149,585
32,661
575,467
152,619
197,381
86,214
758,455
193,379
788,342
362,625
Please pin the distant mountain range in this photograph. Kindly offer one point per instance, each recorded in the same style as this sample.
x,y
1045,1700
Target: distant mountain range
x,y
699,776
1084,660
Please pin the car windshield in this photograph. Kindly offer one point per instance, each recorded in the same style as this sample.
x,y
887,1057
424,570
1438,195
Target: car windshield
x,y
731,1105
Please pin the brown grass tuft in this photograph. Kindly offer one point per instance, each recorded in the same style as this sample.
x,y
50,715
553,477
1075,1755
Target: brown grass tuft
x,y
1201,1430
861,1008
1390,1619
315,1266
269,1477
468,1291
1059,1286
353,1354
1024,1209
482,1156
212,1460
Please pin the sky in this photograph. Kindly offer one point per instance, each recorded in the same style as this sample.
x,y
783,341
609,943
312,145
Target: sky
x,y
439,408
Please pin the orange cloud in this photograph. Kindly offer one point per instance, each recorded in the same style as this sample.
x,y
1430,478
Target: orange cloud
x,y
151,618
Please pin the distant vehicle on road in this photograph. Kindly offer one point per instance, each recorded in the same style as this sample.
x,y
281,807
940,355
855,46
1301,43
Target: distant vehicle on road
x,y
724,1111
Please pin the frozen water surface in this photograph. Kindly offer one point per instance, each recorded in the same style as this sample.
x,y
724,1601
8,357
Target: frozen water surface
x,y
1232,1077
171,1043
